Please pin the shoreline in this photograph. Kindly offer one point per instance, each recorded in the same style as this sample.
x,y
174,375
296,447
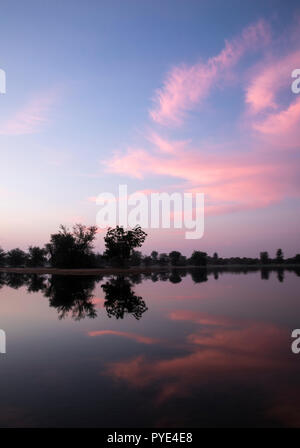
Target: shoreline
x,y
135,270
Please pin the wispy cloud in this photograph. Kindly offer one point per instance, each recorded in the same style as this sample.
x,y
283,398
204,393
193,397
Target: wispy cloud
x,y
185,86
32,117
230,182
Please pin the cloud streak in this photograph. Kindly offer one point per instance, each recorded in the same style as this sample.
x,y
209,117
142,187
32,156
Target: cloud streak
x,y
185,86
31,118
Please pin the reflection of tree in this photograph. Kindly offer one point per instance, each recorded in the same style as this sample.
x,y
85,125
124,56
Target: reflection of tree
x,y
163,276
280,274
175,277
70,294
120,299
265,273
216,275
15,281
199,275
296,270
2,279
36,283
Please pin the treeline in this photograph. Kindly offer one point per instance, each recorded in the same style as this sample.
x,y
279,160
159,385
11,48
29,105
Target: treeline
x,y
198,258
74,249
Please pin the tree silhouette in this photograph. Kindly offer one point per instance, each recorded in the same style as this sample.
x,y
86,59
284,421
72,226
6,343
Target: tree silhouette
x,y
279,256
16,257
264,257
198,258
154,256
72,249
215,258
2,257
119,244
175,257
136,258
163,259
36,256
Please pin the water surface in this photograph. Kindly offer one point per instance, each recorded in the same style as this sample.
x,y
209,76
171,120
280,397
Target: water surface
x,y
180,349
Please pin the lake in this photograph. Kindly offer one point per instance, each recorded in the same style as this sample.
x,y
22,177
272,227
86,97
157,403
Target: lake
x,y
169,349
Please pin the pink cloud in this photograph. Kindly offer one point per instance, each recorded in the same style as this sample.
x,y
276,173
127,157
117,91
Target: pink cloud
x,y
282,123
268,79
186,86
230,182
275,123
32,117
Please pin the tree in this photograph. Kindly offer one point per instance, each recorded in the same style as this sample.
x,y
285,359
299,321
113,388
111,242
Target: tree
x,y
215,258
163,259
147,260
198,258
120,243
16,257
72,249
174,257
36,256
2,257
279,256
264,257
296,259
136,258
154,256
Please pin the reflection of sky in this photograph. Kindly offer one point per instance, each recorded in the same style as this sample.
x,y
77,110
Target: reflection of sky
x,y
215,353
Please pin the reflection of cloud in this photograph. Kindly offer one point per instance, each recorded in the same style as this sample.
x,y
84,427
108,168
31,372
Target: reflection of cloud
x,y
286,407
136,337
198,317
220,351
99,301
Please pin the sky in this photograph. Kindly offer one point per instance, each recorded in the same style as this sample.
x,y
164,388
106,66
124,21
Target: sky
x,y
172,96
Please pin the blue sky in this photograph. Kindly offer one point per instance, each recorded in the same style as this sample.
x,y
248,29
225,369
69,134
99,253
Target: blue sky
x,y
82,80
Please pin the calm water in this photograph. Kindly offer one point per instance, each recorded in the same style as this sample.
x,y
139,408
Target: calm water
x,y
171,349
